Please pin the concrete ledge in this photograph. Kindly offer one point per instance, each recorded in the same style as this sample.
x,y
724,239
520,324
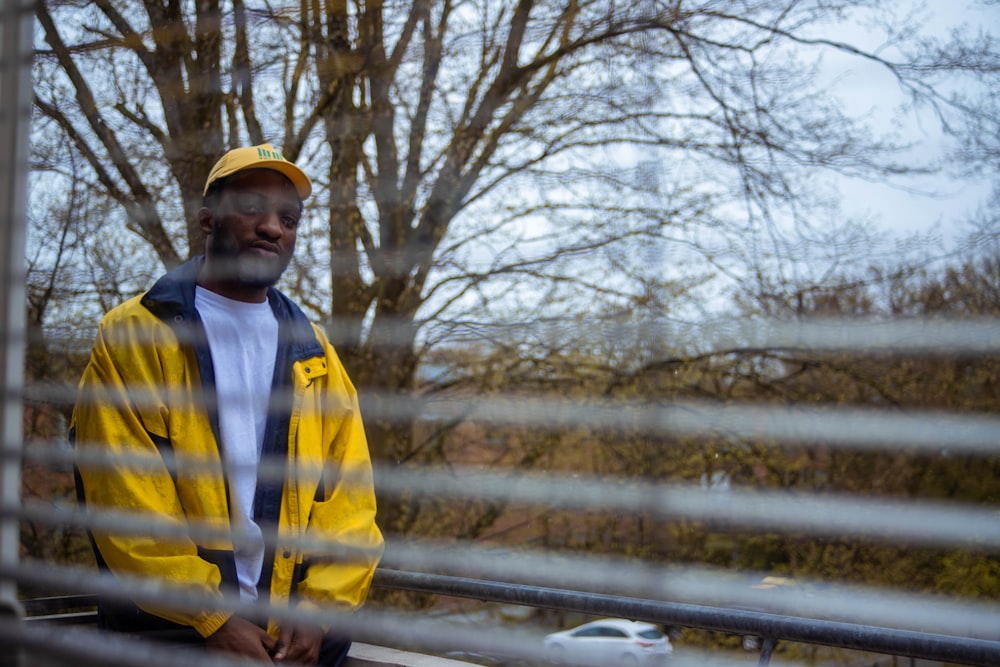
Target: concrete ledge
x,y
366,655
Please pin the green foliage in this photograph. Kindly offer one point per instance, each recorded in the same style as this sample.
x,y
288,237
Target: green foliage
x,y
910,382
970,574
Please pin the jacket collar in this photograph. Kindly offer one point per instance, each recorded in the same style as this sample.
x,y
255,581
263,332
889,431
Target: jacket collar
x,y
172,300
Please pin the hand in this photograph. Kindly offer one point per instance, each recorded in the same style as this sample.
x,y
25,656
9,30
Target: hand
x,y
298,644
239,636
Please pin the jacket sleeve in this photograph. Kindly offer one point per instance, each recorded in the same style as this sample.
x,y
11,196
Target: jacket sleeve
x,y
120,416
343,513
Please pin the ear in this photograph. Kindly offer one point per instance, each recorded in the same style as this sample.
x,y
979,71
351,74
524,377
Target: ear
x,y
205,220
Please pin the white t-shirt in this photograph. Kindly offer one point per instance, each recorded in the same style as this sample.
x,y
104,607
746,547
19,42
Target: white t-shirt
x,y
243,338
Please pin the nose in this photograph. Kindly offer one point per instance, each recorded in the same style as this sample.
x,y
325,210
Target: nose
x,y
269,225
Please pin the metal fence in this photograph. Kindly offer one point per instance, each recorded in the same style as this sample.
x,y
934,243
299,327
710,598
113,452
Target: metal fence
x,y
877,621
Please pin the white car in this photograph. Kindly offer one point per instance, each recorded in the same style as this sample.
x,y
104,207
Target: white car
x,y
609,642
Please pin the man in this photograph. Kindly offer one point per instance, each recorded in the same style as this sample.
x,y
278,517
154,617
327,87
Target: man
x,y
208,374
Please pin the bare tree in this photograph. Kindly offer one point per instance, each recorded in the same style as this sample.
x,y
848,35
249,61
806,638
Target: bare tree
x,y
474,158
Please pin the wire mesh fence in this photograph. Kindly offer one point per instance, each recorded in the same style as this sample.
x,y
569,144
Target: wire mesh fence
x,y
542,569
820,490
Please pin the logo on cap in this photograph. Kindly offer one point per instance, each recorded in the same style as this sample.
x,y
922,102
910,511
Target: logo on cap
x,y
265,153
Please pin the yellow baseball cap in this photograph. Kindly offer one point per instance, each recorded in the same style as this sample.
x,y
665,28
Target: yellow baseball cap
x,y
264,156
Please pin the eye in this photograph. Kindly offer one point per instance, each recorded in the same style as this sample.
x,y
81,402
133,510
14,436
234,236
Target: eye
x,y
290,221
249,206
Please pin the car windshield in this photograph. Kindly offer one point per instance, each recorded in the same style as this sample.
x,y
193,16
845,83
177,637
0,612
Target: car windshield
x,y
650,634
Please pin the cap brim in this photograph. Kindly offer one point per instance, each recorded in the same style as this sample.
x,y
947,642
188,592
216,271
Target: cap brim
x,y
303,186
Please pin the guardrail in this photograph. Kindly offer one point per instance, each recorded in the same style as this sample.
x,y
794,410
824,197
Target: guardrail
x,y
772,628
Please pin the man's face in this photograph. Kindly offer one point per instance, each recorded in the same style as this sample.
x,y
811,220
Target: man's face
x,y
251,231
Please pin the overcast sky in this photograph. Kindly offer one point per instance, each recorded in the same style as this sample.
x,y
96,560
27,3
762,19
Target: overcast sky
x,y
866,87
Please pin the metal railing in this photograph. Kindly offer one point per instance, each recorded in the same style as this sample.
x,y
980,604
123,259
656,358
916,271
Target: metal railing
x,y
772,628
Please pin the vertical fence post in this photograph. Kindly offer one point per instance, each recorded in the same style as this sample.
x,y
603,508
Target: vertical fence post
x,y
16,18
767,647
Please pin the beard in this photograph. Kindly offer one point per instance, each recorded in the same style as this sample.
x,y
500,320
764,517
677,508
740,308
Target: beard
x,y
238,266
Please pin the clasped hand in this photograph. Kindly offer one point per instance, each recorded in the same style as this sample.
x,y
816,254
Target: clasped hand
x,y
295,645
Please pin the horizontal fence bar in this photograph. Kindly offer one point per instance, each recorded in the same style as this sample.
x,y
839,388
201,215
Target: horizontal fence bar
x,y
82,647
829,633
719,588
892,520
927,431
972,335
158,593
949,336
154,525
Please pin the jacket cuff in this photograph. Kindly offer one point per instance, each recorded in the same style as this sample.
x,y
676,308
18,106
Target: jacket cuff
x,y
206,624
